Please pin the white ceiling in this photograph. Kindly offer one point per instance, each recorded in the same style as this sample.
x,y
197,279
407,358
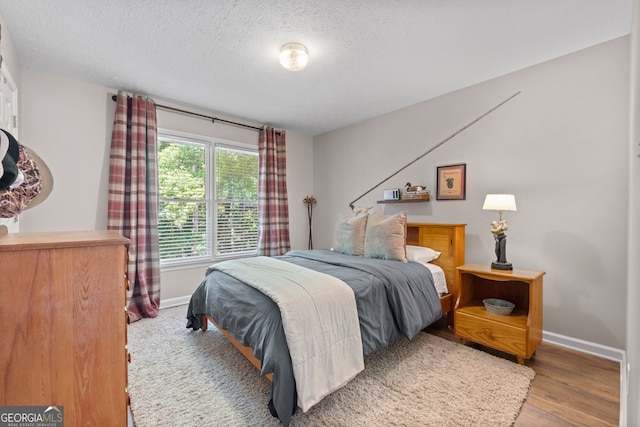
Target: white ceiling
x,y
367,57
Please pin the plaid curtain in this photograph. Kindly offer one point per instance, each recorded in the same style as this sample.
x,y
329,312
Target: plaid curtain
x,y
133,198
273,208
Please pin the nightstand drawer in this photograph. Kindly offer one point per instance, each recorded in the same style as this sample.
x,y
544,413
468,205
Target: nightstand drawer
x,y
497,335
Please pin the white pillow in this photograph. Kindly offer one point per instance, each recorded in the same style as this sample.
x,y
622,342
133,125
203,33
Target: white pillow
x,y
348,237
386,237
421,254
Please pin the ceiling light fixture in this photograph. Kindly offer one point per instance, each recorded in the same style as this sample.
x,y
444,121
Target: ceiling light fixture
x,y
294,56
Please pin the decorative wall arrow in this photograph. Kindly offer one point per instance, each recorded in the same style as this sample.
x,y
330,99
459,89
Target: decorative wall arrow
x,y
433,148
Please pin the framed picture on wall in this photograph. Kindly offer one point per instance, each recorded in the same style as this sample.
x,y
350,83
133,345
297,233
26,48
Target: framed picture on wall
x,y
451,182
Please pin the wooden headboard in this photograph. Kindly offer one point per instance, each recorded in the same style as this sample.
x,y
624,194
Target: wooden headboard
x,y
449,239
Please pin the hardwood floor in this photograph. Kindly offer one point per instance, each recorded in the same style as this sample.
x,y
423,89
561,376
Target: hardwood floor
x,y
571,388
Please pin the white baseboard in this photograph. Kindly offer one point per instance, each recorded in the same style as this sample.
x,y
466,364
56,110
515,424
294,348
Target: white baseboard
x,y
603,351
173,302
610,353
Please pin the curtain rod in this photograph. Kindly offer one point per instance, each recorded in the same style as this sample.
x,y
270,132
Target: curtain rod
x,y
213,119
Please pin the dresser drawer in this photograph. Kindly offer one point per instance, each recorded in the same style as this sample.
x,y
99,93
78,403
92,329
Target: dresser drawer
x,y
500,336
65,279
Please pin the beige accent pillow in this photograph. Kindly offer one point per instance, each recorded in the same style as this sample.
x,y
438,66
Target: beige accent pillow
x,y
348,237
371,210
386,237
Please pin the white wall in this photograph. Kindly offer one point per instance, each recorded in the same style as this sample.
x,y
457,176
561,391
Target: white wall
x,y
9,54
69,123
66,123
633,301
560,146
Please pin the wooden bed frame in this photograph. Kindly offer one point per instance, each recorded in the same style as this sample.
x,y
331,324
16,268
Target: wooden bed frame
x,y
448,239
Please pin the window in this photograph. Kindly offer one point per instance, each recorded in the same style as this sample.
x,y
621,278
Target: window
x,y
208,199
236,200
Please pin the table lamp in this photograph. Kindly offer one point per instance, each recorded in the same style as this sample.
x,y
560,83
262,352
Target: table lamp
x,y
500,203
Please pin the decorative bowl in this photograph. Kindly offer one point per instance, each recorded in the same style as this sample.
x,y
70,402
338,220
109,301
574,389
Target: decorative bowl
x,y
498,306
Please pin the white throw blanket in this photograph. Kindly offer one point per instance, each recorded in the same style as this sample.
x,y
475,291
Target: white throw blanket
x,y
320,321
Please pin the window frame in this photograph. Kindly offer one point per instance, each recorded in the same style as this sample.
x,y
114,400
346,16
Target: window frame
x,y
209,144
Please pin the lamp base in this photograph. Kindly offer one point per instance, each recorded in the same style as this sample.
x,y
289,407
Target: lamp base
x,y
501,266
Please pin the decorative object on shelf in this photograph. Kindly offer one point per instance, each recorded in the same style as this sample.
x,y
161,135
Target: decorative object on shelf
x,y
412,188
451,182
415,192
294,56
500,203
310,202
498,306
391,194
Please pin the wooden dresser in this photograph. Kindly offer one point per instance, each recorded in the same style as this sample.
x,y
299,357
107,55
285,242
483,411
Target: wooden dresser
x,y
64,324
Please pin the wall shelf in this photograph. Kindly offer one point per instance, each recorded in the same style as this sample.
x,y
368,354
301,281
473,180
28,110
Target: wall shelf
x,y
404,201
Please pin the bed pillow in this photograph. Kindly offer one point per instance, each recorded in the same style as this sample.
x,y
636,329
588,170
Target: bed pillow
x,y
386,237
371,210
348,236
421,254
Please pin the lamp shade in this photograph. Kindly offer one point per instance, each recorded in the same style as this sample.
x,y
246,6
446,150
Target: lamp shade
x,y
294,56
499,202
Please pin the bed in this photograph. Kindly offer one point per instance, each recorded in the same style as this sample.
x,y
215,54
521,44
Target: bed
x,y
253,323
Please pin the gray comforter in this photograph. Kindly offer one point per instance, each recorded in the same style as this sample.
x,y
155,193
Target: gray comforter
x,y
392,298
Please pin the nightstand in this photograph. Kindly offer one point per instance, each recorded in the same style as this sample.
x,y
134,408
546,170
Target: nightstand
x,y
518,333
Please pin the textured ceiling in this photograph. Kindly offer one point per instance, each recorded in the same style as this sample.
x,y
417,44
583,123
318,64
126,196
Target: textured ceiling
x,y
367,57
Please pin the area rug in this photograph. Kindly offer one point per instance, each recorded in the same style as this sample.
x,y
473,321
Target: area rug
x,y
178,377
